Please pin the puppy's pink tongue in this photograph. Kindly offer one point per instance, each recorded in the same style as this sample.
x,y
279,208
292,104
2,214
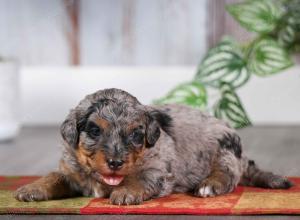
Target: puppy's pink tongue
x,y
113,180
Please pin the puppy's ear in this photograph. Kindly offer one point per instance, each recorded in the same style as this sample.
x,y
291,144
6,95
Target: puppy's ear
x,y
76,122
157,120
152,132
69,129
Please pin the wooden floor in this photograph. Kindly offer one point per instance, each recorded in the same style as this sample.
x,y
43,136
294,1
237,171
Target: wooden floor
x,y
37,150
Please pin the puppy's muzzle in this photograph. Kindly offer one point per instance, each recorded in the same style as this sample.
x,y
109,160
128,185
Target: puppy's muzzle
x,y
115,164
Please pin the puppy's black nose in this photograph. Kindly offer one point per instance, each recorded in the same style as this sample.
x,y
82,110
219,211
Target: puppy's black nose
x,y
115,164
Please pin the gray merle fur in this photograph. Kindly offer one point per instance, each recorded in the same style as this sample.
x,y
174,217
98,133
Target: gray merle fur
x,y
185,150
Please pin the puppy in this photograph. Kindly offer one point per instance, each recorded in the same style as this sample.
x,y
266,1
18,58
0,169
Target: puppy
x,y
118,148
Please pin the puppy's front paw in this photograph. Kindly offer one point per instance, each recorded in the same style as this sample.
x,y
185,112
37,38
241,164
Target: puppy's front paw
x,y
126,196
31,192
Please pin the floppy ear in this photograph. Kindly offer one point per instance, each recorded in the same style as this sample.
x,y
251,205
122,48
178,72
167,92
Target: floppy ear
x,y
156,120
69,129
75,123
152,132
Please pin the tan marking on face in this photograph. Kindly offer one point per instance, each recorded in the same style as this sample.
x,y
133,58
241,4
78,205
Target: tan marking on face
x,y
85,157
102,123
82,154
137,155
97,161
91,160
132,126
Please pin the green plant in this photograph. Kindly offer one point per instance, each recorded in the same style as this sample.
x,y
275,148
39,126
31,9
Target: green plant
x,y
228,65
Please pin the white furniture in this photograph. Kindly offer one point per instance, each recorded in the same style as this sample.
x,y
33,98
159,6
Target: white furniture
x,y
9,99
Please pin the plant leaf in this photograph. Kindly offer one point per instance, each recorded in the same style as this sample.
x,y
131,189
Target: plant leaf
x,y
229,107
286,36
192,93
289,28
267,57
224,62
257,15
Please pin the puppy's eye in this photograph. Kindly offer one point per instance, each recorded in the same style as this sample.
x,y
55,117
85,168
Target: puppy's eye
x,y
137,138
93,130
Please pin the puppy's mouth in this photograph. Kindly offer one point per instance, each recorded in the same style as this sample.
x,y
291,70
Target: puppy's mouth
x,y
111,179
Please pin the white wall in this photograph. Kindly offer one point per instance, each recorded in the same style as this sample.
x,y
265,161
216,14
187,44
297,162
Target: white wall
x,y
48,93
118,32
34,31
143,32
275,99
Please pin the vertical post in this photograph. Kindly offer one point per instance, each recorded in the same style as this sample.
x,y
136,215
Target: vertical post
x,y
128,9
220,23
72,10
215,22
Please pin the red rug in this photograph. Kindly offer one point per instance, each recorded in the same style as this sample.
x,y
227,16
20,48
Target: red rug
x,y
243,201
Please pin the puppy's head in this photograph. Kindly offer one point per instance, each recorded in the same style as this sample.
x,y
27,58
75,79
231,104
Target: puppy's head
x,y
109,132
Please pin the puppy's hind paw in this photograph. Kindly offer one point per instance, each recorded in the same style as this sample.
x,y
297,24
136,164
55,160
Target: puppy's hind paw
x,y
205,191
210,188
30,193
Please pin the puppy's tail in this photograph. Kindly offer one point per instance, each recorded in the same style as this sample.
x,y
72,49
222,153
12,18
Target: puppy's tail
x,y
253,176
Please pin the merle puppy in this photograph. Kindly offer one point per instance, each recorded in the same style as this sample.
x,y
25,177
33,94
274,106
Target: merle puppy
x,y
118,148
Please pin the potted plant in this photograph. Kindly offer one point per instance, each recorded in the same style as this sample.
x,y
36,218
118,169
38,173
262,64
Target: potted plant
x,y
230,65
9,102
